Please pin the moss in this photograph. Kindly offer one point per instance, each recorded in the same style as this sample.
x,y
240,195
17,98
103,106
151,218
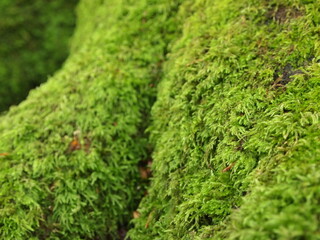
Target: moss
x,y
34,43
236,126
70,152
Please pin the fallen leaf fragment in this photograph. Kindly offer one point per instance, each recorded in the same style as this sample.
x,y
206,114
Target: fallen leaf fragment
x,y
136,214
229,167
74,145
144,172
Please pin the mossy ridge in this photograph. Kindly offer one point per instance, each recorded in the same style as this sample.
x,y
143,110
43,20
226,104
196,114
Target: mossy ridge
x,y
236,126
34,43
70,151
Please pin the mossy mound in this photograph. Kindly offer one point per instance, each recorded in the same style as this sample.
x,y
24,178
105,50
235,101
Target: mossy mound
x,y
69,154
236,125
34,43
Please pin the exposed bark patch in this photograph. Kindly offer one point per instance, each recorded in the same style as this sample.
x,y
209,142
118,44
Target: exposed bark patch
x,y
283,77
282,14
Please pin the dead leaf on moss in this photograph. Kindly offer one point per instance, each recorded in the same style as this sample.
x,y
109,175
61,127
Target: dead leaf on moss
x,y
136,214
229,167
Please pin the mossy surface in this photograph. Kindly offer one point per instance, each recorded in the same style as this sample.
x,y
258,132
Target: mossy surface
x,y
34,43
70,152
236,125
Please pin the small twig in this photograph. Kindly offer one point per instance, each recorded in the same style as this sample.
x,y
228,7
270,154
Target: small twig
x,y
149,219
229,167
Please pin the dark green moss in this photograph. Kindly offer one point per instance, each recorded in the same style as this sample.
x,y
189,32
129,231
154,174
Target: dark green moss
x,y
34,43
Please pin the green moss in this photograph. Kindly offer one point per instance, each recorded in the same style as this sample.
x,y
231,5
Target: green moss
x,y
236,126
74,145
33,44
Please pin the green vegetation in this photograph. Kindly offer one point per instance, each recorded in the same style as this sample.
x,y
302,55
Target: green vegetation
x,y
70,152
234,130
236,126
33,45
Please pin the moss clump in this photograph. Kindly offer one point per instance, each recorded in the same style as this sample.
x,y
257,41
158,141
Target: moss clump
x,y
34,43
70,152
236,125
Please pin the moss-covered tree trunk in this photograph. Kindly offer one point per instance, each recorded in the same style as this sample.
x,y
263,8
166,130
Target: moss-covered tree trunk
x,y
236,125
69,154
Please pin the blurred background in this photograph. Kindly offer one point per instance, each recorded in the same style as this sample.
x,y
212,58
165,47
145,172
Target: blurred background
x,y
34,42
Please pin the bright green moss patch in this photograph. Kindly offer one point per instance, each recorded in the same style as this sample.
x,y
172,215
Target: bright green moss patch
x,y
34,43
236,126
